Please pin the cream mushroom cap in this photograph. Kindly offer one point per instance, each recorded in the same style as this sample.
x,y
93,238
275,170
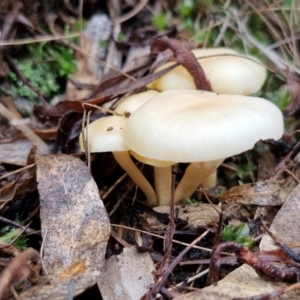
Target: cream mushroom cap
x,y
228,73
197,126
232,73
105,135
132,102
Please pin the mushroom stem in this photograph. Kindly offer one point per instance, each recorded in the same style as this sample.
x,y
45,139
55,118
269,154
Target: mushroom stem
x,y
194,174
210,181
163,184
124,160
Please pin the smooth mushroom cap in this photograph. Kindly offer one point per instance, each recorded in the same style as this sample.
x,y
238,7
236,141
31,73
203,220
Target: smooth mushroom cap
x,y
228,73
105,135
197,126
231,74
132,102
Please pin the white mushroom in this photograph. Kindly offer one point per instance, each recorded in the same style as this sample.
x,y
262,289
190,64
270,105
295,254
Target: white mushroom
x,y
227,71
162,170
105,135
200,127
132,102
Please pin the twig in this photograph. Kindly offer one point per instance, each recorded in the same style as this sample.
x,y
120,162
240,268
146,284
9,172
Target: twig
x,y
193,278
140,5
10,20
85,137
14,292
121,199
171,227
17,171
42,251
293,175
161,281
38,39
103,197
15,224
161,237
18,235
119,240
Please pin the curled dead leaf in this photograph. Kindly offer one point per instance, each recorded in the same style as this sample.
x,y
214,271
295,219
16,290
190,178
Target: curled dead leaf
x,y
270,192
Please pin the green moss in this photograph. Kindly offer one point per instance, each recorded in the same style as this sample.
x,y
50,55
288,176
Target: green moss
x,y
44,66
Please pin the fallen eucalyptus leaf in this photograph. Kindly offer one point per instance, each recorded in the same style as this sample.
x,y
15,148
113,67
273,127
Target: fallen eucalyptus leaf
x,y
270,192
75,227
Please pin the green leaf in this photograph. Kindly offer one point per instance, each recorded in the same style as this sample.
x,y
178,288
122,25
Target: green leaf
x,y
239,234
161,21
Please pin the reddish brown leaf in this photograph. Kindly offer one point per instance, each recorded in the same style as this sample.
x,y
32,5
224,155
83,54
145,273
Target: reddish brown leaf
x,y
185,57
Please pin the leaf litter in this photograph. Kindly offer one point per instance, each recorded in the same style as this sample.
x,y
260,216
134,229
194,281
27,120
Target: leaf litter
x,y
70,252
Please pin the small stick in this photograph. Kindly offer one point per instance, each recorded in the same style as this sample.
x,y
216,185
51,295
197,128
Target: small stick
x,y
20,233
10,20
15,224
161,281
16,172
104,196
161,237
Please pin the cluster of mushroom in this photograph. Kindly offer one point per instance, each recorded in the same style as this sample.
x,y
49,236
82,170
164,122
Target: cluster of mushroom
x,y
187,125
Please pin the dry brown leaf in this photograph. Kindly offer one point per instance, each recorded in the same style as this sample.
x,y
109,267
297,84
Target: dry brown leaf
x,y
240,283
270,192
25,182
244,282
75,227
286,224
15,153
127,276
197,216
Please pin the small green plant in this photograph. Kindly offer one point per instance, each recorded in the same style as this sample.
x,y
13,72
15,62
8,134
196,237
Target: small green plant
x,y
185,8
280,97
44,66
121,37
161,21
239,234
8,234
243,169
192,201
